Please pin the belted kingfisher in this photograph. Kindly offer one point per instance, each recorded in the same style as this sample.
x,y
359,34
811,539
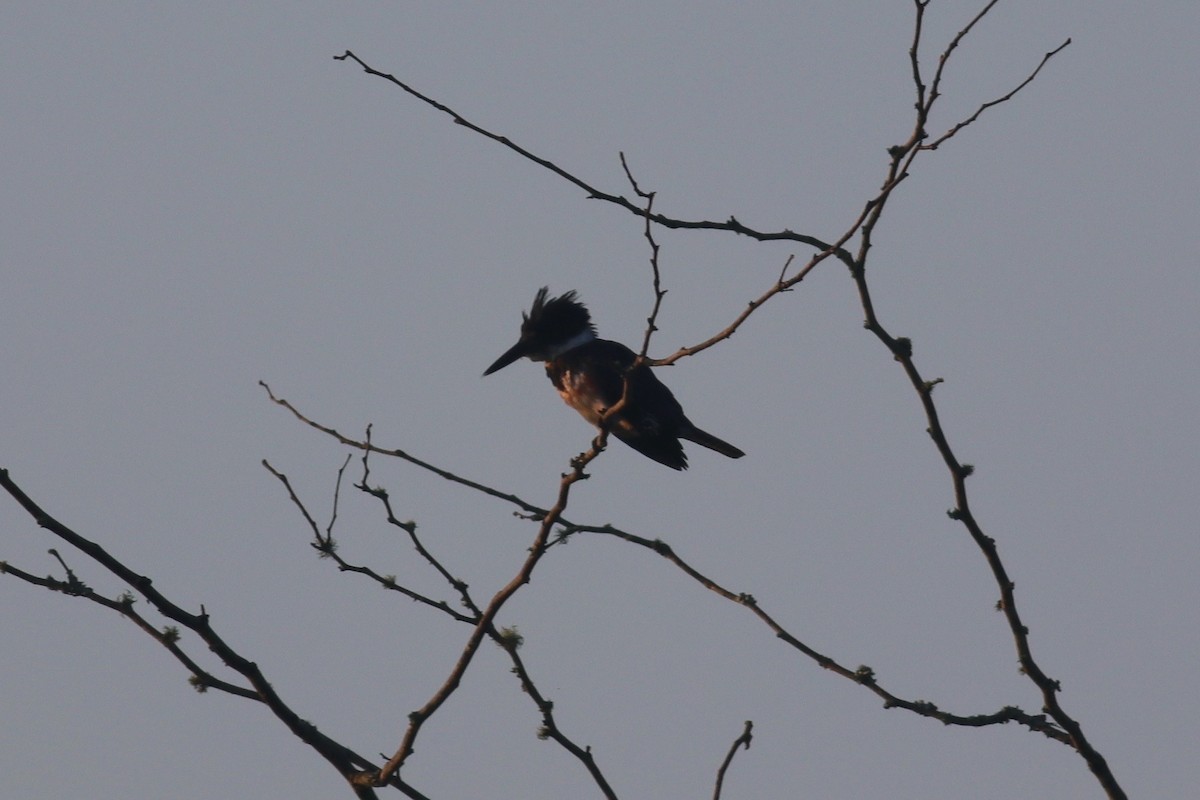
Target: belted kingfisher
x,y
590,373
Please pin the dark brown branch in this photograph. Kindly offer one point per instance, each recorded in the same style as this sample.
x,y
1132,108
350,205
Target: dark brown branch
x,y
1049,688
901,349
862,675
404,456
659,292
985,106
410,528
944,59
511,642
741,741
914,53
124,605
326,546
346,761
731,225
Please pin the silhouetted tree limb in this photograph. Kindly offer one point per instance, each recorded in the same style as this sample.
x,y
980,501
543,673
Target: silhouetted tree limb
x,y
741,741
346,761
731,225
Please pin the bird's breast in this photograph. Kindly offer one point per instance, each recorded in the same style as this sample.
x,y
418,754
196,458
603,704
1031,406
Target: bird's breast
x,y
580,393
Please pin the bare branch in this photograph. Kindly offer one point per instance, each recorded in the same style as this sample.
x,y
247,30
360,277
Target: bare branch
x,y
935,88
325,545
862,675
124,605
731,225
901,349
396,453
984,107
659,292
410,528
914,54
741,741
550,729
348,763
783,272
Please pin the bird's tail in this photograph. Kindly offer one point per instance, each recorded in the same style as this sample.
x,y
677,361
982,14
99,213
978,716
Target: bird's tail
x,y
706,439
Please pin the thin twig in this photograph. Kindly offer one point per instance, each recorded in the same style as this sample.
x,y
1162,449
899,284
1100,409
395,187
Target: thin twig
x,y
731,225
325,545
741,741
124,605
404,456
410,528
550,728
862,675
944,59
659,292
985,106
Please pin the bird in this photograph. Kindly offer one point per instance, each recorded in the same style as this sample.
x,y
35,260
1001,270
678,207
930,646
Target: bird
x,y
589,374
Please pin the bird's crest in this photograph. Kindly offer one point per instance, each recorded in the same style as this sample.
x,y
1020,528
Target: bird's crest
x,y
562,313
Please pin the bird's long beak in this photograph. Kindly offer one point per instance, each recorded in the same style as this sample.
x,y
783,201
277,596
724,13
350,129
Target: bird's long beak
x,y
514,352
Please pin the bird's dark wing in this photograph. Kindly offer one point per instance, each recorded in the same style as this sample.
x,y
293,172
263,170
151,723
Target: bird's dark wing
x,y
650,420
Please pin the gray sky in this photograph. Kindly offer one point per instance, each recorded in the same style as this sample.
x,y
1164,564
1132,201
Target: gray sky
x,y
197,196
